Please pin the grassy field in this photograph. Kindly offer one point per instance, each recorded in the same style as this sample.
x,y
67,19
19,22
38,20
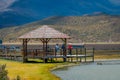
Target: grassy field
x,y
30,71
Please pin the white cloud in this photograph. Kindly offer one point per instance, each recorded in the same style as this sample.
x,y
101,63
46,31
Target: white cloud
x,y
115,2
4,4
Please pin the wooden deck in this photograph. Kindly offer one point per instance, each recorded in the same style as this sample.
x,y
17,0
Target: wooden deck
x,y
81,55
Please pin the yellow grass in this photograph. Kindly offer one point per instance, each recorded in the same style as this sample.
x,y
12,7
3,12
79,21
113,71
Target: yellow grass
x,y
114,56
29,71
107,54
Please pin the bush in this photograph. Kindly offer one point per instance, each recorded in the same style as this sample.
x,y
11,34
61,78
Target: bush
x,y
3,72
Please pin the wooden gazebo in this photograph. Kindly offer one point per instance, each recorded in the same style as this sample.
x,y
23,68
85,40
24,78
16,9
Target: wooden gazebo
x,y
44,34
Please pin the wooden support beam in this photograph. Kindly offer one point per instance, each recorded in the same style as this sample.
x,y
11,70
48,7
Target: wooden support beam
x,y
45,46
93,55
25,41
76,54
45,42
63,39
85,55
65,52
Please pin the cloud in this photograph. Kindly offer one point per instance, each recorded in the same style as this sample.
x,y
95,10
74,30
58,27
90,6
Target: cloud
x,y
115,2
4,4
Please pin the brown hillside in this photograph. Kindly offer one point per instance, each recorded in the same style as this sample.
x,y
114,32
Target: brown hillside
x,y
102,28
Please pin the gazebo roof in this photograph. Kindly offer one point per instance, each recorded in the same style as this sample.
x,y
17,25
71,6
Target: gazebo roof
x,y
44,32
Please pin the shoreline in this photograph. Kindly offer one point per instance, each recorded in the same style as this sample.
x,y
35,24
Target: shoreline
x,y
64,65
78,63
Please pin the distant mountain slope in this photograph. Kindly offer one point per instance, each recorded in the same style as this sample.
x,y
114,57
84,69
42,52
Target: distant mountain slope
x,y
19,12
102,28
10,18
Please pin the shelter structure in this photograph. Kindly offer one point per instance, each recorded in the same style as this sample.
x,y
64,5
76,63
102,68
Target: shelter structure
x,y
44,34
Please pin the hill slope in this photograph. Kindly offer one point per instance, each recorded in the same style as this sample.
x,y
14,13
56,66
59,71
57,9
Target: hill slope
x,y
102,28
19,12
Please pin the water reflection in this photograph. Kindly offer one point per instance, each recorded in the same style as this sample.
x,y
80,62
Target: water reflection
x,y
109,70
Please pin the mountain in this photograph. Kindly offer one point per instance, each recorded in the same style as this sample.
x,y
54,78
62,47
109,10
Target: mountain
x,y
19,12
12,19
99,28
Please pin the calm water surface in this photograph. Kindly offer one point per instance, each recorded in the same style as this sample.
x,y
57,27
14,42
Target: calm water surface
x,y
102,70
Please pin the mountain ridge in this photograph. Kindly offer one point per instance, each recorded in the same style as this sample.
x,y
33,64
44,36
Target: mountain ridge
x,y
19,12
102,28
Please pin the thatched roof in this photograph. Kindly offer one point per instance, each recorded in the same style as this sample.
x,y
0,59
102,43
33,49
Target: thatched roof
x,y
44,32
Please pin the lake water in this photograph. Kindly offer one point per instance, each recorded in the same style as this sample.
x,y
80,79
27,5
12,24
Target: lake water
x,y
100,70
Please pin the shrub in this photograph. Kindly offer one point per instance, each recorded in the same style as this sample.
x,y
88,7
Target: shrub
x,y
3,72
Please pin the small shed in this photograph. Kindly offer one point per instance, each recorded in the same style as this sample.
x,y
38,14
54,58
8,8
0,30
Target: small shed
x,y
44,34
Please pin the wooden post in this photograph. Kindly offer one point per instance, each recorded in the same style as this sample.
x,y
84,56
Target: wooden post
x,y
81,54
46,59
71,55
43,46
23,51
85,54
93,55
77,54
65,53
44,50
25,59
45,42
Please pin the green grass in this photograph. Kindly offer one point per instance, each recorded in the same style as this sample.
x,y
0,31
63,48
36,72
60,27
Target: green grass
x,y
30,71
